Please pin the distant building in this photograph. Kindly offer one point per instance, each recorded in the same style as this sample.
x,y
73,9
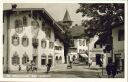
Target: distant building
x,y
78,50
29,37
118,46
66,23
97,56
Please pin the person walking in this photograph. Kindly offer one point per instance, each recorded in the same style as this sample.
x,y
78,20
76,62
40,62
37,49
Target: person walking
x,y
108,69
48,67
19,68
114,70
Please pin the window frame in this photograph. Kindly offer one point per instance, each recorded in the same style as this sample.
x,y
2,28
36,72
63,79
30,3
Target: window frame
x,y
43,57
43,43
15,59
25,37
15,36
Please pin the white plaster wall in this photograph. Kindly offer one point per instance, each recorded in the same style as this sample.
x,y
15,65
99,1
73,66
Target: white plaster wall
x,y
29,50
93,51
59,52
81,47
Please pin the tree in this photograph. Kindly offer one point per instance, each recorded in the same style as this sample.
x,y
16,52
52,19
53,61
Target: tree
x,y
104,17
67,38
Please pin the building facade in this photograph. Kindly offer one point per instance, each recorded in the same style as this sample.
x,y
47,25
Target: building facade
x,y
78,51
29,38
97,56
118,46
59,52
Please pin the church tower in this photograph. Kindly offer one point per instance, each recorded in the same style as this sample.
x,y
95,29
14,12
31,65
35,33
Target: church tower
x,y
67,20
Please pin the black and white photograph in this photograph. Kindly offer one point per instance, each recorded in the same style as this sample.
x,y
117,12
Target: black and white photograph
x,y
63,40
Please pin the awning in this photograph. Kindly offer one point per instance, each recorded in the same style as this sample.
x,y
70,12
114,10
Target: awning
x,y
84,55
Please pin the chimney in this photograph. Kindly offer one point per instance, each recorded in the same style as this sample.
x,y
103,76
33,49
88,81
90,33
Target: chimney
x,y
14,6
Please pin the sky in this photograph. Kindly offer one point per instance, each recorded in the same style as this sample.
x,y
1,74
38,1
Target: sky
x,y
56,10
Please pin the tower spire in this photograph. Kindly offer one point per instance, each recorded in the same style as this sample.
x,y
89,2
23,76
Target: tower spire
x,y
67,20
66,17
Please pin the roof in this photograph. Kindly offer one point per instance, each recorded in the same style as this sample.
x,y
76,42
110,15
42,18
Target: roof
x,y
37,9
59,31
77,31
67,16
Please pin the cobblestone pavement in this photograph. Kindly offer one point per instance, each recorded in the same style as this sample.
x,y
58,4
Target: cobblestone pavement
x,y
61,71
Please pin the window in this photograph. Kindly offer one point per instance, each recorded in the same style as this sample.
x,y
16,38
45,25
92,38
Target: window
x,y
15,40
121,35
58,48
48,33
25,41
18,26
51,45
43,59
25,21
25,58
50,59
35,42
15,59
57,58
43,44
80,43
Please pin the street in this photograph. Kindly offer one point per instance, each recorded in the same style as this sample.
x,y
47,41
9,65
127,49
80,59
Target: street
x,y
61,71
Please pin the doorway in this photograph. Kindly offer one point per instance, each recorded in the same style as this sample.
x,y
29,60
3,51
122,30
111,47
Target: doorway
x,y
99,60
